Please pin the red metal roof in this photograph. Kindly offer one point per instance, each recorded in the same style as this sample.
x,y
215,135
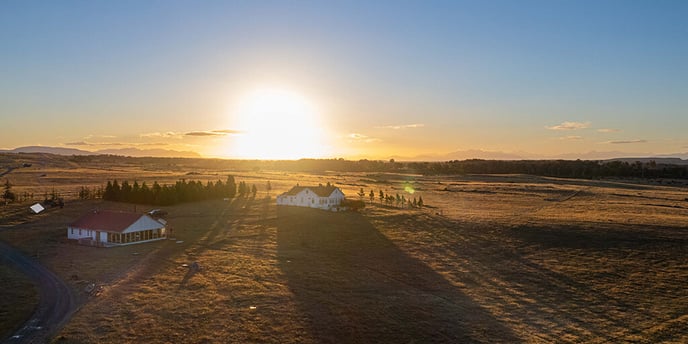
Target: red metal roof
x,y
322,191
107,221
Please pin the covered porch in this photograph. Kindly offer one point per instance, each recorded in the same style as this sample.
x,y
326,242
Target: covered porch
x,y
135,237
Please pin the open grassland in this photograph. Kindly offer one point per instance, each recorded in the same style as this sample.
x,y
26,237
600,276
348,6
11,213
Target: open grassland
x,y
506,258
17,300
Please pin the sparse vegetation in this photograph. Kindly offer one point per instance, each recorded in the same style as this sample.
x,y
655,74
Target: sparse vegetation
x,y
7,194
493,258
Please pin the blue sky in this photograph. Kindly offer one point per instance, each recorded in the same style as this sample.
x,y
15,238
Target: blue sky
x,y
391,78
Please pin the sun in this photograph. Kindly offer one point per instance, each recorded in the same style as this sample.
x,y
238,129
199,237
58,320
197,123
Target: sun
x,y
278,124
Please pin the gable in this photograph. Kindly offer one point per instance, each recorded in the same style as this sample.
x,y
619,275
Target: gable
x,y
145,222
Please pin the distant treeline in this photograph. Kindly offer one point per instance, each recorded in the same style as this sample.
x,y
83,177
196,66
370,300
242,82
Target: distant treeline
x,y
552,168
555,168
181,192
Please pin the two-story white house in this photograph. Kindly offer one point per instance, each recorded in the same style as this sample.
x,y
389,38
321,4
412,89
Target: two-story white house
x,y
112,228
323,197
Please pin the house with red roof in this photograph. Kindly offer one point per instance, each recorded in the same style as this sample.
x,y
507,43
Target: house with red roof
x,y
112,228
323,197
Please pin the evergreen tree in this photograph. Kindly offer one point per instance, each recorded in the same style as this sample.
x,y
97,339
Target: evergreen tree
x,y
8,195
382,196
125,193
372,196
420,201
146,194
361,193
231,187
109,193
268,187
115,191
254,190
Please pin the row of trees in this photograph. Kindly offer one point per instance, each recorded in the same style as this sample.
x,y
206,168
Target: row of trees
x,y
554,168
182,191
397,200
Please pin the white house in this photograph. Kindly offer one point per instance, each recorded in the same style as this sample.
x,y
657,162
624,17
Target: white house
x,y
112,228
322,197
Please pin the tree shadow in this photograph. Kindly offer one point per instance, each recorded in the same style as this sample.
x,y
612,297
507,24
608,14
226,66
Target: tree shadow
x,y
354,285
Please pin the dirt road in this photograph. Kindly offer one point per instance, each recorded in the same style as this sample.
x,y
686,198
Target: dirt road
x,y
56,304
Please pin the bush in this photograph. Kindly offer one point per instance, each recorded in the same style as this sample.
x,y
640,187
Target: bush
x,y
354,205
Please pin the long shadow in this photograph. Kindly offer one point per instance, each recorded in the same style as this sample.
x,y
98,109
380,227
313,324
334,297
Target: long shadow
x,y
353,285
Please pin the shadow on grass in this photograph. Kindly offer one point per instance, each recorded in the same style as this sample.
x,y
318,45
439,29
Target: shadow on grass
x,y
355,285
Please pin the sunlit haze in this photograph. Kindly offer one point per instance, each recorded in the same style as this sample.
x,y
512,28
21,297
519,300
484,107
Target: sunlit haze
x,y
353,79
277,124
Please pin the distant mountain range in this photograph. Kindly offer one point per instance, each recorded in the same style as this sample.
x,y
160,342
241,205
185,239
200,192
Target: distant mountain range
x,y
135,152
677,159
674,159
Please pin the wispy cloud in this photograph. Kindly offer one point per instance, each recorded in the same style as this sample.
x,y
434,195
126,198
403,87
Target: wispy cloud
x,y
153,144
356,137
129,144
222,132
78,143
204,133
168,134
608,130
571,138
228,131
402,126
623,142
570,126
90,136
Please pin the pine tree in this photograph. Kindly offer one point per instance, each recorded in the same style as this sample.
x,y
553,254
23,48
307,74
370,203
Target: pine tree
x,y
420,201
109,193
382,196
231,187
115,191
372,196
254,190
8,195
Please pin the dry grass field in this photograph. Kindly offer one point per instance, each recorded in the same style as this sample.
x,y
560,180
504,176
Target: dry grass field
x,y
506,258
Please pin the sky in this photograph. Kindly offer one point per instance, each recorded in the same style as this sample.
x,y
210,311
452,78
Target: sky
x,y
352,79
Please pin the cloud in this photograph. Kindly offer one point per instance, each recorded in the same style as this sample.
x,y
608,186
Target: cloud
x,y
129,144
570,126
222,132
608,130
228,131
204,133
90,136
169,134
402,126
571,138
356,137
625,142
153,144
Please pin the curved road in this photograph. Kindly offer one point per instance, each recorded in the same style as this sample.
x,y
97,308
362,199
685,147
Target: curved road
x,y
56,300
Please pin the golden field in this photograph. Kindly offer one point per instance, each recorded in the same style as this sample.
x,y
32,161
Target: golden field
x,y
492,258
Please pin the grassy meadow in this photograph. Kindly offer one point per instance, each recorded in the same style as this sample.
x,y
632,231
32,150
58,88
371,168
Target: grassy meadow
x,y
491,258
